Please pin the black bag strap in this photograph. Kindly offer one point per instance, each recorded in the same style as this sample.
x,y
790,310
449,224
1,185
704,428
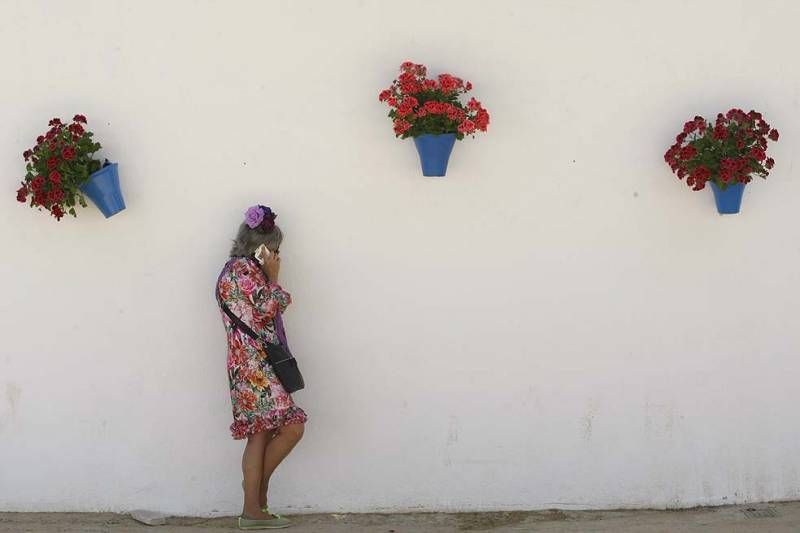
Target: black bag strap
x,y
283,363
239,323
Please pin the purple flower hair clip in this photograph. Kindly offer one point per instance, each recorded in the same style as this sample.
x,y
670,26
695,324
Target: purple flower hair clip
x,y
260,217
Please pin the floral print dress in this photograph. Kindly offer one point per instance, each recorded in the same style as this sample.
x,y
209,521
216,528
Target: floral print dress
x,y
259,400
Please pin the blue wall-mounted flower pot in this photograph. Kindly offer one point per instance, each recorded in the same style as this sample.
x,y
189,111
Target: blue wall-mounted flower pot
x,y
434,152
730,200
103,189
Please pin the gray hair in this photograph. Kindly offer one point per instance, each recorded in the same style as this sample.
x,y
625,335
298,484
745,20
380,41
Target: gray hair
x,y
248,239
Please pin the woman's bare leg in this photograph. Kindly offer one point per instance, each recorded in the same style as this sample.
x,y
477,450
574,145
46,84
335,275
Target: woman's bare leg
x,y
281,444
252,469
262,491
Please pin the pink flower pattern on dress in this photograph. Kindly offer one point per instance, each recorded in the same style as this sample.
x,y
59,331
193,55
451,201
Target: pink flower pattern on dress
x,y
260,403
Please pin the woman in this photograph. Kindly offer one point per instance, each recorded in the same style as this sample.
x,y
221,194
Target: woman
x,y
263,412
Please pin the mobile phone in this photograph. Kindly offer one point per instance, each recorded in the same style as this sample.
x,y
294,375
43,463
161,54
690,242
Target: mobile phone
x,y
262,253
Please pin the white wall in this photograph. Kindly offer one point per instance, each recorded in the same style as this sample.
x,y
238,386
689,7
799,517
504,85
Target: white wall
x,y
558,323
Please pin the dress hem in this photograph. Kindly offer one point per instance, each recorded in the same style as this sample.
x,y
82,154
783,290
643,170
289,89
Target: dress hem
x,y
242,430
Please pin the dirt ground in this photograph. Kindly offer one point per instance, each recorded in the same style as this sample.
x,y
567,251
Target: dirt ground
x,y
776,517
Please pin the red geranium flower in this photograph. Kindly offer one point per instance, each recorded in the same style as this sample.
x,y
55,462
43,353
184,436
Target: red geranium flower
x,y
688,152
22,194
482,119
57,212
701,123
56,195
39,198
53,184
420,105
432,106
466,127
730,152
773,135
455,114
401,126
449,83
701,173
405,109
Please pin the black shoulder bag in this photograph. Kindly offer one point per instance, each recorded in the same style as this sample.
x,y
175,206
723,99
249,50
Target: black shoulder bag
x,y
279,357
